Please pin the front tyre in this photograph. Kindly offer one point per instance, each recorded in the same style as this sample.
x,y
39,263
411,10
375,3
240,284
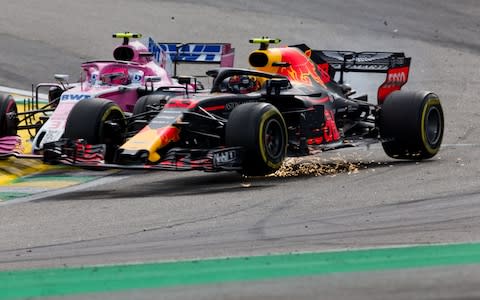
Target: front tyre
x,y
411,125
260,129
97,121
8,116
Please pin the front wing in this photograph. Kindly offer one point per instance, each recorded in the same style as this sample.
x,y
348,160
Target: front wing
x,y
11,146
80,154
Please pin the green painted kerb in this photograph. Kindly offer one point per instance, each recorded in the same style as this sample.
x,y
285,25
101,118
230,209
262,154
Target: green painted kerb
x,y
42,177
70,281
5,196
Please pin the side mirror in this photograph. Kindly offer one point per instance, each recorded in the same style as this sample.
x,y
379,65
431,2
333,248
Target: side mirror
x,y
61,77
151,80
277,84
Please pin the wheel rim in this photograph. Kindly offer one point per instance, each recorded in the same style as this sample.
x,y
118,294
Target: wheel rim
x,y
273,139
433,125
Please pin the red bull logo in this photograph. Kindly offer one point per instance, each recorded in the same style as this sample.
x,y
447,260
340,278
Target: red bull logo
x,y
153,139
304,74
168,135
299,67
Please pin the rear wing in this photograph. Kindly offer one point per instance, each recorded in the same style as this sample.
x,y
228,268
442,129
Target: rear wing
x,y
395,64
205,53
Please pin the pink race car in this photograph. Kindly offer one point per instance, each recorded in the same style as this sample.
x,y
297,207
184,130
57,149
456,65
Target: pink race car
x,y
140,76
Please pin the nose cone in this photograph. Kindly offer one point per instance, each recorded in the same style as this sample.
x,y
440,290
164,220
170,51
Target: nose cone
x,y
149,140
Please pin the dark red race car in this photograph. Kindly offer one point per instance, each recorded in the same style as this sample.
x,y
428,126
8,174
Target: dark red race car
x,y
293,103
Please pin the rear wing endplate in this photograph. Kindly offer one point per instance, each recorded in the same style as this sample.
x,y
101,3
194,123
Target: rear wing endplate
x,y
206,53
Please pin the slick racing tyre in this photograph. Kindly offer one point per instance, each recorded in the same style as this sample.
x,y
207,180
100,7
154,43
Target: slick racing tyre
x,y
97,121
150,103
411,125
8,116
260,129
154,102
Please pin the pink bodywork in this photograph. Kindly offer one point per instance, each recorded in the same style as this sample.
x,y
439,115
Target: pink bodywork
x,y
10,144
135,71
132,66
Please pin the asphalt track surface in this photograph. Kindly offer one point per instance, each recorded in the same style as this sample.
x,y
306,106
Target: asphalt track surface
x,y
369,201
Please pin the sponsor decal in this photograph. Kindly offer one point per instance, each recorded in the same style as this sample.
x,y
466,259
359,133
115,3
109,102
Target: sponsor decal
x,y
360,67
137,77
396,78
166,117
231,105
371,57
162,121
301,68
172,111
224,157
95,78
161,56
305,73
75,96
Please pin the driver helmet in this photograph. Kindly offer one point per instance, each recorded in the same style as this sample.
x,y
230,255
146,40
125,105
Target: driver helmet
x,y
116,76
242,84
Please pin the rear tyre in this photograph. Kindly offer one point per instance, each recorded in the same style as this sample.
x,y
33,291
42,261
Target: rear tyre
x,y
97,121
260,129
411,125
8,116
